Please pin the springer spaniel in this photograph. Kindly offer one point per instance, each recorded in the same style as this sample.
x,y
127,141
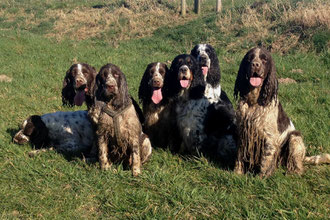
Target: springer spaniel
x,y
208,60
267,137
67,132
193,109
157,107
78,85
118,129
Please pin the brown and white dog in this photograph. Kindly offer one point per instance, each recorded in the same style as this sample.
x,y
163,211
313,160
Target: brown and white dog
x,y
78,85
118,129
159,122
267,137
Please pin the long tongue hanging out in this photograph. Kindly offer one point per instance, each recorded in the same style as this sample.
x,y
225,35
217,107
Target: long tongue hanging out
x,y
205,69
79,98
184,83
157,96
255,81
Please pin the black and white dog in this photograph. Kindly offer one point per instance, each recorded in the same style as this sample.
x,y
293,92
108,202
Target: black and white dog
x,y
194,111
67,132
220,119
207,58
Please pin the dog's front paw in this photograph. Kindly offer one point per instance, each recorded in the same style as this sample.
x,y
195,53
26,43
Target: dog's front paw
x,y
105,166
136,171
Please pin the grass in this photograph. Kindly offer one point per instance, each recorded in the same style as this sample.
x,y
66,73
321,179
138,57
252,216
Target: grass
x,y
36,51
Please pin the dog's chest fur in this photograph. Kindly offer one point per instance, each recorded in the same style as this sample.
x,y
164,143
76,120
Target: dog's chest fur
x,y
71,131
123,130
190,119
154,112
259,123
212,93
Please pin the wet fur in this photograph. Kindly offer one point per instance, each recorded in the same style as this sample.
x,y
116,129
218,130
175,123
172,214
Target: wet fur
x,y
122,141
267,137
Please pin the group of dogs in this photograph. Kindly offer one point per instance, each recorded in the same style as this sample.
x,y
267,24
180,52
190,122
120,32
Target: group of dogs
x,y
183,108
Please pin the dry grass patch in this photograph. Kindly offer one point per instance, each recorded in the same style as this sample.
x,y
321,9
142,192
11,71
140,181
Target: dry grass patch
x,y
279,25
313,14
122,23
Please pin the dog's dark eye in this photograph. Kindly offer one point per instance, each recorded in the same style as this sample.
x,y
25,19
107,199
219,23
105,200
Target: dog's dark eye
x,y
207,50
263,57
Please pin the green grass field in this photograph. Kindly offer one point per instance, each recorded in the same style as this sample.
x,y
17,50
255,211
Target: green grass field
x,y
40,40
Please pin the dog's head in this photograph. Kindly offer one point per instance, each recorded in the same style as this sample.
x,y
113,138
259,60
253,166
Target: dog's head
x,y
185,75
257,71
207,58
112,86
77,84
32,130
152,83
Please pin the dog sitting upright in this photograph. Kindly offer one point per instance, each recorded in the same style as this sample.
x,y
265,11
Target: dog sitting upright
x,y
118,129
267,137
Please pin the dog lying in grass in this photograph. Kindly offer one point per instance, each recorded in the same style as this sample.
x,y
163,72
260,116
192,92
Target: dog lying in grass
x,y
267,137
66,132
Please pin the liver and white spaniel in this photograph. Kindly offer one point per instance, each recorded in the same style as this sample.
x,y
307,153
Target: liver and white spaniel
x,y
267,137
157,107
118,129
78,85
67,132
193,109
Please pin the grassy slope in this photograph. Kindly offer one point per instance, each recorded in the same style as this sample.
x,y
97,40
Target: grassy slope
x,y
51,185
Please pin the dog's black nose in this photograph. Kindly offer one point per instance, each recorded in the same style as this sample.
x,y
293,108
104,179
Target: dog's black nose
x,y
184,69
256,64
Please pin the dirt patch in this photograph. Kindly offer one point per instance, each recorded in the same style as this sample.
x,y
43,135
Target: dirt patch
x,y
4,78
286,81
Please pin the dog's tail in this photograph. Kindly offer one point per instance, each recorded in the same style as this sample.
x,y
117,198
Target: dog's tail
x,y
318,159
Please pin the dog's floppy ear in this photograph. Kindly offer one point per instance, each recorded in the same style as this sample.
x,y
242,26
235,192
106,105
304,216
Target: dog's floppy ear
x,y
37,131
68,92
98,87
123,98
91,78
145,90
242,81
171,83
214,75
197,88
270,85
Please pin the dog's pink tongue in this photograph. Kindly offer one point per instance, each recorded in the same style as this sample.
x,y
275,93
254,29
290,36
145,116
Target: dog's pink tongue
x,y
205,69
255,81
79,98
157,96
184,83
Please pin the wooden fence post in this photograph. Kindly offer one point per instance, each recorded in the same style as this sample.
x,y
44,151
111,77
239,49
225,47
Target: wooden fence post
x,y
183,8
197,6
219,6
